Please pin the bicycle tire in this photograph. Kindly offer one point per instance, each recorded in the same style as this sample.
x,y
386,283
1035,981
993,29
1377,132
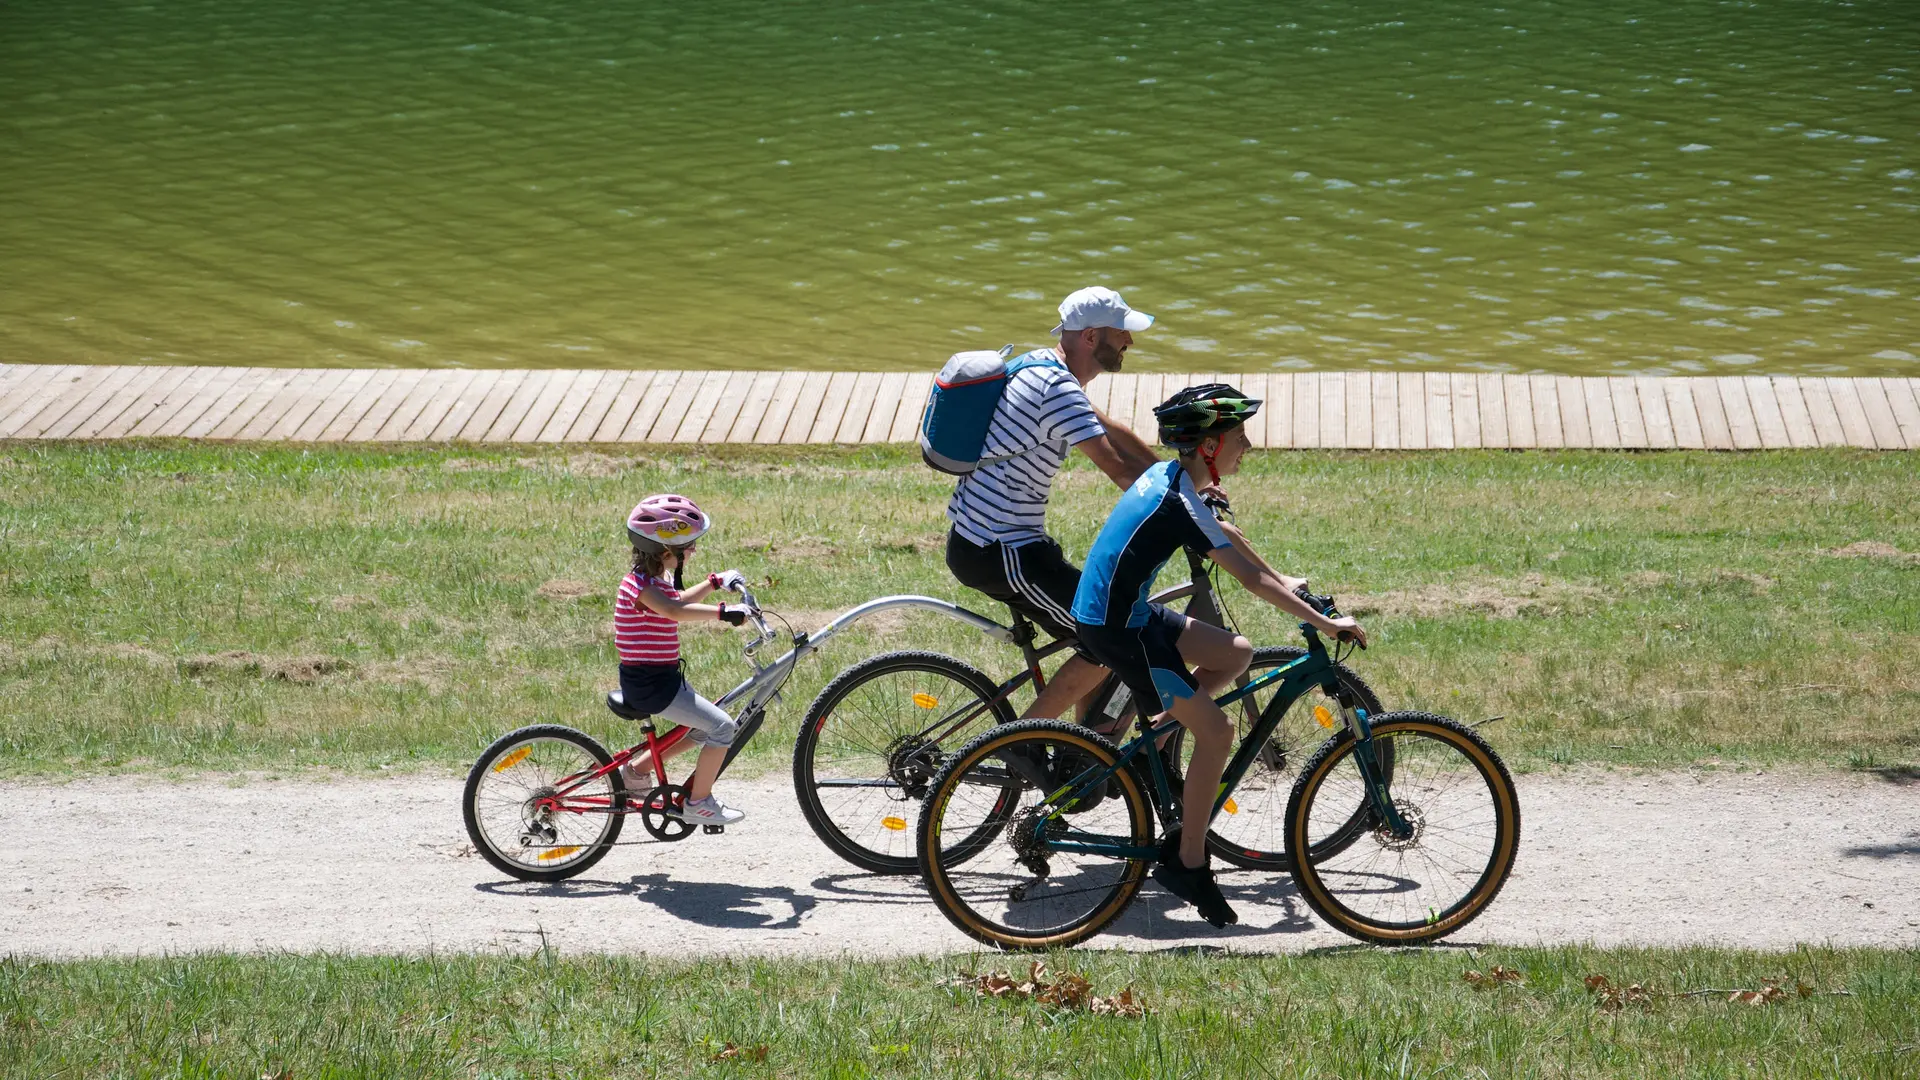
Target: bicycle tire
x,y
961,901
855,828
493,762
1440,765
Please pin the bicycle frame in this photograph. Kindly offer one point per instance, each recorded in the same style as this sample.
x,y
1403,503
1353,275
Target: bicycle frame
x,y
1316,669
749,700
757,691
1021,634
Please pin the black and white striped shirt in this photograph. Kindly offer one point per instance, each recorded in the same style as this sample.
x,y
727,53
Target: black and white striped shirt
x,y
1042,413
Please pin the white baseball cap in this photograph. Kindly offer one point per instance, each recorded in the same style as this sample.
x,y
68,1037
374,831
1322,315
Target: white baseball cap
x,y
1097,305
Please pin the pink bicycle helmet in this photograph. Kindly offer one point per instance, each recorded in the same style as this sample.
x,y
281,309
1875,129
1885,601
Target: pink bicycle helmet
x,y
664,521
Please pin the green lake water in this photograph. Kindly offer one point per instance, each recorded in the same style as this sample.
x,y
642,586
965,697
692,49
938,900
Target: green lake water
x,y
1679,187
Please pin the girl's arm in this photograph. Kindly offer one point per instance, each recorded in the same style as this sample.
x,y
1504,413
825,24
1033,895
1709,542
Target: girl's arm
x,y
685,609
1268,586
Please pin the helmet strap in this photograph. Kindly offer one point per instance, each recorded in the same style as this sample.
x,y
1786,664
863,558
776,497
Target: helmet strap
x,y
1213,474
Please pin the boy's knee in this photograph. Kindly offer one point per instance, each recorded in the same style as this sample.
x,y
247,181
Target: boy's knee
x,y
1242,654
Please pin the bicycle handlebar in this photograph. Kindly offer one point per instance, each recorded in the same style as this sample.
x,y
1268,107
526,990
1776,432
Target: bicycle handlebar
x,y
1324,605
765,632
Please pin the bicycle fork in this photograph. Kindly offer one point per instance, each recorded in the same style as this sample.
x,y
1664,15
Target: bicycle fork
x,y
1365,756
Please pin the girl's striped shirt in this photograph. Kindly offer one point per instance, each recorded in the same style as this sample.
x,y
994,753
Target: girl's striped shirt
x,y
642,635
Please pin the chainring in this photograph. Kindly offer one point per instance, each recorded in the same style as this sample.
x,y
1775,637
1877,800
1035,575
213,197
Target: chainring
x,y
661,824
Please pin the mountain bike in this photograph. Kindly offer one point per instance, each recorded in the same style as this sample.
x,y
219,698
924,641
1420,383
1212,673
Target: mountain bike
x,y
875,737
547,801
1401,828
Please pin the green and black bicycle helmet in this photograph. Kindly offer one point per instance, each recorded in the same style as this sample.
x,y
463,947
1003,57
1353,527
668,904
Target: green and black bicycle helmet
x,y
1197,412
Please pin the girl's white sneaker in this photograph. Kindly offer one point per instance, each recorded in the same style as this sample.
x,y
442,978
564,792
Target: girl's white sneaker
x,y
639,781
710,811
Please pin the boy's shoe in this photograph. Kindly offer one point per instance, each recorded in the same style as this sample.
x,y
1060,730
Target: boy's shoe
x,y
710,811
1193,884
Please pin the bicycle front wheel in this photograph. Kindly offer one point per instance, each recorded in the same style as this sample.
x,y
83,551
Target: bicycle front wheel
x,y
871,744
1456,796
1017,891
528,815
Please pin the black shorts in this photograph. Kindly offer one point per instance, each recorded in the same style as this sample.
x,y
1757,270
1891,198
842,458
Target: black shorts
x,y
648,688
1034,579
1147,658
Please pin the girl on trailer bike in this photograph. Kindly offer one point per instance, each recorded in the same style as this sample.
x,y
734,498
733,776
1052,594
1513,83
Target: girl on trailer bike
x,y
1161,654
647,612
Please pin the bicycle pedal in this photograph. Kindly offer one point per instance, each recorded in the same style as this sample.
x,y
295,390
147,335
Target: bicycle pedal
x,y
714,830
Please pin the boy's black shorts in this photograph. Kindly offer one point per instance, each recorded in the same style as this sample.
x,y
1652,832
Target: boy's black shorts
x,y
1147,658
1034,579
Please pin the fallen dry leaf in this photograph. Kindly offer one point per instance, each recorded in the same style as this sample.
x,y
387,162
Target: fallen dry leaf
x,y
731,1052
1614,998
1068,991
1485,980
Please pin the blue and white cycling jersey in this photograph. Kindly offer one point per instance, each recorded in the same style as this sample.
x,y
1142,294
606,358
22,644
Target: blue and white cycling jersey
x,y
1160,514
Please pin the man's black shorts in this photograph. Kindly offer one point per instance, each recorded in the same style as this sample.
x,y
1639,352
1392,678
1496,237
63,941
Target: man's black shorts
x,y
1147,658
1034,579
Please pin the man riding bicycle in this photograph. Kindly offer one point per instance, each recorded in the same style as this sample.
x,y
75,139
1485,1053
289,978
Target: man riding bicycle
x,y
998,543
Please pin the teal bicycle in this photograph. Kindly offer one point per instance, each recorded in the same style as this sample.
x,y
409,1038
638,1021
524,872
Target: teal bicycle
x,y
1401,828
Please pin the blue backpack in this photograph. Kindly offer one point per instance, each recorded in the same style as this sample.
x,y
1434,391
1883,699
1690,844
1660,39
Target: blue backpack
x,y
953,429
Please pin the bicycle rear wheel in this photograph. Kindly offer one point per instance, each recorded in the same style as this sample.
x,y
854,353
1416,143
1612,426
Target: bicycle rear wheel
x,y
520,822
1013,892
1453,790
871,744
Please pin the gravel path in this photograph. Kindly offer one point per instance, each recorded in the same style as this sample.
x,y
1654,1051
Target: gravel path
x,y
125,865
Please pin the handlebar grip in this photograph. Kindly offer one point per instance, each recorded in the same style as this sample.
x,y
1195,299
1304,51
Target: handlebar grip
x,y
1321,604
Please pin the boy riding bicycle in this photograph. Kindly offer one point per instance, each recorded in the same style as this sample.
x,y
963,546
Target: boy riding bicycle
x,y
1162,655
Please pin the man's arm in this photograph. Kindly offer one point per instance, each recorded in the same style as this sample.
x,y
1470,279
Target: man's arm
x,y
1100,451
1119,453
1131,447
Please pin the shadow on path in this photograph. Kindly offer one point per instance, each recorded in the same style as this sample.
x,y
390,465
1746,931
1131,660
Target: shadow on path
x,y
721,904
1909,846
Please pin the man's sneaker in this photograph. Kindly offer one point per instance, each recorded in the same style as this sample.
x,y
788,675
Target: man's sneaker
x,y
1194,884
710,811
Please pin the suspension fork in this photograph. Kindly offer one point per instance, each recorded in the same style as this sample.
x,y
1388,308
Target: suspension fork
x,y
1366,755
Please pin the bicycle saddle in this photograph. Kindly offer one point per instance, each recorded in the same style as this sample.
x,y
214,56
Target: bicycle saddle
x,y
618,705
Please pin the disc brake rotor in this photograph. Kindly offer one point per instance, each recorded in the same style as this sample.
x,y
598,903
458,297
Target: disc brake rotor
x,y
1416,827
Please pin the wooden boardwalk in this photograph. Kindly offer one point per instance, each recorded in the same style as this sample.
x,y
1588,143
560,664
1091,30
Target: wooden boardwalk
x,y
1352,410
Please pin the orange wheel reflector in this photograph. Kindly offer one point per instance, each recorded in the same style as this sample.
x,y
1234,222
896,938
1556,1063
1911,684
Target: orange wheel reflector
x,y
1322,716
552,854
1231,807
894,823
926,701
513,759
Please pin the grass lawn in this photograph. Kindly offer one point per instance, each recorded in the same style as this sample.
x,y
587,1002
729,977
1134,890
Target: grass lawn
x,y
198,608
1348,1014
